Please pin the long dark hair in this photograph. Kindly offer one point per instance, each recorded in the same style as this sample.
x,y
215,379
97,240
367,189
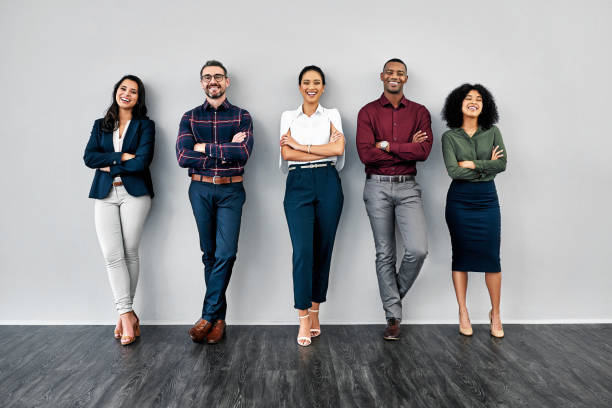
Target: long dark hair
x,y
139,111
451,113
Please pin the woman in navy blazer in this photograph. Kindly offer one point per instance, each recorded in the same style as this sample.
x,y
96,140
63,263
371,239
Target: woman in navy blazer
x,y
120,148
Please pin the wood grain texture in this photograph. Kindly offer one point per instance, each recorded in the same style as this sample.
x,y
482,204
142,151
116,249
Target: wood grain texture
x,y
348,366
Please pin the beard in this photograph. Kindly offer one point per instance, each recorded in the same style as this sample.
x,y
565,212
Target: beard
x,y
215,96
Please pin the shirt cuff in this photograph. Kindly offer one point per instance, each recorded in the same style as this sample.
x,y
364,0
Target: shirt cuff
x,y
213,150
478,166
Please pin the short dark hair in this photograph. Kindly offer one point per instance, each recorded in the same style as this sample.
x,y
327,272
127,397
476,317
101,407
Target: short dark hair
x,y
452,114
213,63
311,68
395,60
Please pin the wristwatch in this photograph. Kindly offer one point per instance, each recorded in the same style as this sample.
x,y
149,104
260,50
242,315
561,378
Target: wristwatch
x,y
384,145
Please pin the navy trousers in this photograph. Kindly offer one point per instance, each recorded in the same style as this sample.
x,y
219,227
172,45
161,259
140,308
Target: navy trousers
x,y
217,210
313,204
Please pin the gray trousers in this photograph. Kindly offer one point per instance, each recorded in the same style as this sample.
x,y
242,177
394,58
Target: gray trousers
x,y
388,203
120,218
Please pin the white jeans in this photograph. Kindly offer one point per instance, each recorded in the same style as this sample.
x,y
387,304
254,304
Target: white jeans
x,y
120,219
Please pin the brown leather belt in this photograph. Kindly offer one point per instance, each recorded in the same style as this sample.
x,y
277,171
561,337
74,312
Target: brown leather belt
x,y
217,179
117,183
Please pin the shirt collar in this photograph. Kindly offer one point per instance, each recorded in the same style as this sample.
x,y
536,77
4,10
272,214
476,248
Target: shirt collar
x,y
385,102
224,106
300,111
460,131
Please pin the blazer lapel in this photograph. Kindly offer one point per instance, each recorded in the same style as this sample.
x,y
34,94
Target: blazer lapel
x,y
107,142
129,136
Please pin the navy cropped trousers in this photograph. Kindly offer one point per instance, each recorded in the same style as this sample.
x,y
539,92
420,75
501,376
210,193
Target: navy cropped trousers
x,y
313,204
217,209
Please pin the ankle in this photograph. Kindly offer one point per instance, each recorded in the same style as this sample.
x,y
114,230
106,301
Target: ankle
x,y
128,318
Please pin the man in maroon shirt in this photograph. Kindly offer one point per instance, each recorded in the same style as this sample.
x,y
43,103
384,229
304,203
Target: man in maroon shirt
x,y
394,133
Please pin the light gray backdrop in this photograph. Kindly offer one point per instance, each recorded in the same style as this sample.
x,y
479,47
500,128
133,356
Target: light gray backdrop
x,y
548,65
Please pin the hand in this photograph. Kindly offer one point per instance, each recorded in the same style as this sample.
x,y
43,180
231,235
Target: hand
x,y
379,146
287,140
468,164
497,153
127,156
105,169
335,136
200,147
239,137
419,137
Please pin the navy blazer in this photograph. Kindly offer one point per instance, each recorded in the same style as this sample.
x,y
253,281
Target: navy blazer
x,y
139,140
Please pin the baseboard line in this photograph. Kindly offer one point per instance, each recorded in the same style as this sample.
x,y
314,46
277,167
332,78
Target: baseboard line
x,y
292,323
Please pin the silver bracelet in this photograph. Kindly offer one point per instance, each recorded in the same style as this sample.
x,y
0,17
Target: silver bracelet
x,y
309,148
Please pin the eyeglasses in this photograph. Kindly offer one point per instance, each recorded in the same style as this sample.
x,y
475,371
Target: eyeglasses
x,y
207,78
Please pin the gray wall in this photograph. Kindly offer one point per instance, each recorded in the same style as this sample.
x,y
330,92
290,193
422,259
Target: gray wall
x,y
547,64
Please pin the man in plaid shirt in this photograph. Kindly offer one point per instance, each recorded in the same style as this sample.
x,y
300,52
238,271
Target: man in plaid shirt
x,y
215,141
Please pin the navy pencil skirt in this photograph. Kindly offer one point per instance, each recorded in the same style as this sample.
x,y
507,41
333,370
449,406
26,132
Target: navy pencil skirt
x,y
474,223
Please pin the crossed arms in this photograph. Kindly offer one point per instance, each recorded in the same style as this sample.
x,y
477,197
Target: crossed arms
x,y
190,153
117,163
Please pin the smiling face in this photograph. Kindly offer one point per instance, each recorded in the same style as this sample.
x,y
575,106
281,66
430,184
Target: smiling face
x,y
472,104
394,77
127,94
311,87
214,88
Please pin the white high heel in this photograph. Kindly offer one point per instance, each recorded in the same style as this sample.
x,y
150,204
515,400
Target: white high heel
x,y
315,332
305,340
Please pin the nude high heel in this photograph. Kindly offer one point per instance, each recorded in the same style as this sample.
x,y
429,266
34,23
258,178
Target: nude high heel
x,y
125,340
117,333
137,326
498,333
466,331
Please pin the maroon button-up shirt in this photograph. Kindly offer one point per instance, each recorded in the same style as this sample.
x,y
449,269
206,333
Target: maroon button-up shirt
x,y
378,121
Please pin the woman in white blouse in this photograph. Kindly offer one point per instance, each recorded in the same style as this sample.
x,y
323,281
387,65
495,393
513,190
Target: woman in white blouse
x,y
312,151
120,148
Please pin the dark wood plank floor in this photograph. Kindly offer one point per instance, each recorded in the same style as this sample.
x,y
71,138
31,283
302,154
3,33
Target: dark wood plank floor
x,y
348,366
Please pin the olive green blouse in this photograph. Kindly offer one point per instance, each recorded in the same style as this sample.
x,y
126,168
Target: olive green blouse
x,y
458,146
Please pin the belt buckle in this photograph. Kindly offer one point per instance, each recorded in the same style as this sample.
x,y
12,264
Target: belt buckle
x,y
215,179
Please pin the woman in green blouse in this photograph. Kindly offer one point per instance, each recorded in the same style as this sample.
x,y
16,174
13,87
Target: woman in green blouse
x,y
474,153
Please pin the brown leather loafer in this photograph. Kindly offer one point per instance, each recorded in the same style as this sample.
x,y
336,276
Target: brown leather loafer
x,y
392,332
199,330
217,332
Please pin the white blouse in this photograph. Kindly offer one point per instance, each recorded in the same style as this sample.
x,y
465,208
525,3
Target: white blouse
x,y
311,130
118,142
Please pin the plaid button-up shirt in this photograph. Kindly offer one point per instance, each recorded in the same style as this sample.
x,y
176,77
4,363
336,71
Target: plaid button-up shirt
x,y
216,128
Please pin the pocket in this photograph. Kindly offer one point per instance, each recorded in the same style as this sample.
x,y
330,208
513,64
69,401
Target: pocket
x,y
366,187
417,188
336,174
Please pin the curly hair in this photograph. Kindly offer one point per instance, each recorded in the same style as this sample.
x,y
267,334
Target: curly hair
x,y
139,111
452,114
